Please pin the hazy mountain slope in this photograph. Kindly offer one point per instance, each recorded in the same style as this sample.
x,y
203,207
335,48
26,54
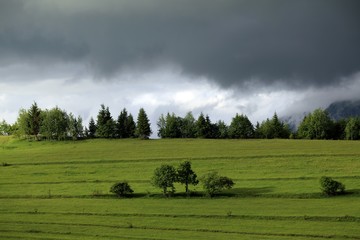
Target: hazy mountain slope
x,y
344,109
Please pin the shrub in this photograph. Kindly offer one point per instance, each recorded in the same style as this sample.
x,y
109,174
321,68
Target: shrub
x,y
121,189
213,183
331,187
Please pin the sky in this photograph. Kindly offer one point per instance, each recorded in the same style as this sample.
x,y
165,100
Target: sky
x,y
219,57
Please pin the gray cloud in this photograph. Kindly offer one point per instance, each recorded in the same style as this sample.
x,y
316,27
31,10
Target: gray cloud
x,y
294,43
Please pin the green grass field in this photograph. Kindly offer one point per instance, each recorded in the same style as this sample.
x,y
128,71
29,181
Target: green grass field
x,y
60,190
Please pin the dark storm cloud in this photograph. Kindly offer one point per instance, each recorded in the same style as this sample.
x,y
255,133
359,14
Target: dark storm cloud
x,y
299,43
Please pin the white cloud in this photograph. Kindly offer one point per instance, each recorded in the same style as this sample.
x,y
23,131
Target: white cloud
x,y
165,90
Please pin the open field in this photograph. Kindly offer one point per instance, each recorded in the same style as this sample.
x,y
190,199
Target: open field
x,y
60,190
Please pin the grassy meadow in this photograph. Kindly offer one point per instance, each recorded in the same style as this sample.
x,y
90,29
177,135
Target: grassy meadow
x,y
60,190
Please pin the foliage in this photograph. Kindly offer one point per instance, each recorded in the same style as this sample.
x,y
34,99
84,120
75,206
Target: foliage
x,y
186,176
213,183
105,125
143,130
35,120
316,125
55,124
273,128
125,125
241,127
31,123
164,177
5,128
92,128
76,129
331,187
121,189
352,129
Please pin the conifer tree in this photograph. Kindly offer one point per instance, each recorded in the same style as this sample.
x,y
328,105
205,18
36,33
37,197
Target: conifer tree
x,y
143,130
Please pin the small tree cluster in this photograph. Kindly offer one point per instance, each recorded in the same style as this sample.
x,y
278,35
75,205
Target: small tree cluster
x,y
331,187
166,175
272,128
319,125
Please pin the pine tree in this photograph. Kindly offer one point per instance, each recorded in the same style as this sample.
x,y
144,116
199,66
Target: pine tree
x,y
92,128
121,124
143,129
105,125
201,126
35,120
130,127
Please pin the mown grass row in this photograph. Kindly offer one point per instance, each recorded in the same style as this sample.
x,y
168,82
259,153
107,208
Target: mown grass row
x,y
315,229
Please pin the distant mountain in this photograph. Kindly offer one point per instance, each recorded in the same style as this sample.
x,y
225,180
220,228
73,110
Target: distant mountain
x,y
336,110
344,109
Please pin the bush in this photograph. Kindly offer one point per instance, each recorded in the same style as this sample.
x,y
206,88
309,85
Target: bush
x,y
213,183
331,187
121,189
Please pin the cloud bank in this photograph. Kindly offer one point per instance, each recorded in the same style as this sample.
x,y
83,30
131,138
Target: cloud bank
x,y
232,42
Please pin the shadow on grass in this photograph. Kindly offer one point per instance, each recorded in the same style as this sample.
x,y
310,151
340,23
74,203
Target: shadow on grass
x,y
264,192
246,192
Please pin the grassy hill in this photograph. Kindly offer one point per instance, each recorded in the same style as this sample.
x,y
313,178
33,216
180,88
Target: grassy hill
x,y
60,190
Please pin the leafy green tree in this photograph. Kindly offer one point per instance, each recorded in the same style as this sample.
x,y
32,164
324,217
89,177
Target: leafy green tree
x,y
186,176
173,126
121,189
316,125
76,129
23,123
55,124
321,124
5,128
143,130
331,187
352,129
164,177
304,129
241,127
223,130
188,126
161,123
105,125
213,183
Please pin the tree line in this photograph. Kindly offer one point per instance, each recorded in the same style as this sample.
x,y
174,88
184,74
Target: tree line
x,y
57,124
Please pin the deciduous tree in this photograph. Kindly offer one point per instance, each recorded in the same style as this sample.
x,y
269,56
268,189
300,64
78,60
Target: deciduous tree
x,y
164,177
186,176
213,183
